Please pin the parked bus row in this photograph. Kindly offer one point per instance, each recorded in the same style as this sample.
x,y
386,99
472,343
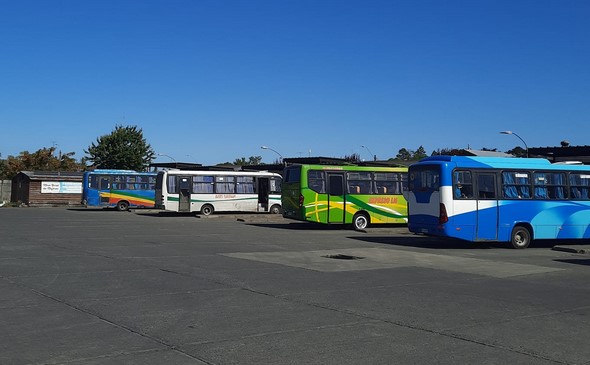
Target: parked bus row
x,y
184,191
331,194
513,200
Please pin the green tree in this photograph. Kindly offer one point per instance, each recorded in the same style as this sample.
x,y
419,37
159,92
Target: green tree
x,y
354,158
419,154
251,161
447,152
43,159
124,148
518,152
404,155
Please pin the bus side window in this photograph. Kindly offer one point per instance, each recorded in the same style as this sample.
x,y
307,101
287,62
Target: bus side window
x,y
316,181
486,186
359,182
580,184
462,185
104,184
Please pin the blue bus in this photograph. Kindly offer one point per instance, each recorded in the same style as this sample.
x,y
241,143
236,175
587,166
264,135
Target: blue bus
x,y
512,200
120,189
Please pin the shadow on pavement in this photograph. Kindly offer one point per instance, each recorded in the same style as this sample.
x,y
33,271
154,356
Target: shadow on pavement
x,y
585,262
302,226
434,243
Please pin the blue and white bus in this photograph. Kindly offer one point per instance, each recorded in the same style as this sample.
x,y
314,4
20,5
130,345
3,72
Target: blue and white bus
x,y
120,189
511,200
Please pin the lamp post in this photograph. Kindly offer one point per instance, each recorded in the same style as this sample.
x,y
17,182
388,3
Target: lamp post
x,y
368,150
525,145
268,148
162,154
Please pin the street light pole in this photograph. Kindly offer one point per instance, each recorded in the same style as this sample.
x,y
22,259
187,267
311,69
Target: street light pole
x,y
368,150
268,148
519,137
170,157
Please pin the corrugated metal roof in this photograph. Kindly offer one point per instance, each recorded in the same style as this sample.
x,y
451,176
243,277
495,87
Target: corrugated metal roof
x,y
53,174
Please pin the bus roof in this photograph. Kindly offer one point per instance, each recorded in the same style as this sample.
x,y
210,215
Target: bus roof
x,y
219,173
395,168
118,171
499,162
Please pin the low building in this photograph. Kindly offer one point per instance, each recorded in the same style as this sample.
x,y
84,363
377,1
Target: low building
x,y
563,153
39,188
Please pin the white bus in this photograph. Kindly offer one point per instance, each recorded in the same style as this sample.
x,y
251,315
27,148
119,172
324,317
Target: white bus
x,y
206,192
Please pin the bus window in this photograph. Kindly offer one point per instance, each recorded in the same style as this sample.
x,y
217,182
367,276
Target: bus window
x,y
425,178
131,183
486,184
549,185
462,185
316,181
118,182
93,181
359,182
275,186
245,184
172,186
104,182
293,174
225,185
203,184
389,182
579,184
516,184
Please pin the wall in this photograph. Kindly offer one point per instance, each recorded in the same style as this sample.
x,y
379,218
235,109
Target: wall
x,y
5,190
37,198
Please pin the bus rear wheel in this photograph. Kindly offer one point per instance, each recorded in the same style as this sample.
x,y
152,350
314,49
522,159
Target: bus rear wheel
x,y
520,237
122,206
360,221
275,209
207,209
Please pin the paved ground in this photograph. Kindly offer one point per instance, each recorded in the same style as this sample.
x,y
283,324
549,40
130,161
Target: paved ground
x,y
103,287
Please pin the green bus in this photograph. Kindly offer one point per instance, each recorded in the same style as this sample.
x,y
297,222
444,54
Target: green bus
x,y
345,194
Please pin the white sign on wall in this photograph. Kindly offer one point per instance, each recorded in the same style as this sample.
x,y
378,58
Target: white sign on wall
x,y
61,187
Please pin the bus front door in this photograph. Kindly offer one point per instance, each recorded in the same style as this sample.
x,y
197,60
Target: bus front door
x,y
184,194
487,208
336,199
263,193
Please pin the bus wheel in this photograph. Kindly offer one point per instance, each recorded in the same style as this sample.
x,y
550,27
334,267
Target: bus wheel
x,y
275,209
360,221
207,209
122,206
520,237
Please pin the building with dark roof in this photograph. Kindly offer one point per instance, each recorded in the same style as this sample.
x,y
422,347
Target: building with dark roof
x,y
563,153
38,188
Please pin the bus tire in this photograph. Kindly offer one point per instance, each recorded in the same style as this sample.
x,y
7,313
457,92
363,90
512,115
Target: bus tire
x,y
520,238
207,209
360,221
275,209
122,206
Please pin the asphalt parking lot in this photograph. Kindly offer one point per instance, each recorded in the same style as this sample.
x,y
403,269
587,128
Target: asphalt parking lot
x,y
104,287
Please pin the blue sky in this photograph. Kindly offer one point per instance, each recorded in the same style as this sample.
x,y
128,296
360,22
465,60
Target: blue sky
x,y
212,81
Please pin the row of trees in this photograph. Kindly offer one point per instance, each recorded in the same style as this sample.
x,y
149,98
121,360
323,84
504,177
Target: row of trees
x,y
126,148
